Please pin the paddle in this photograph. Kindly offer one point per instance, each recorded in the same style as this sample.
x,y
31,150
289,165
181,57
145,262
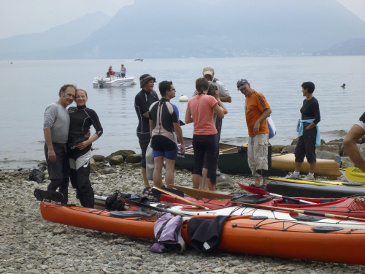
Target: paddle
x,y
355,174
42,195
179,197
129,202
228,149
204,193
249,205
327,215
260,191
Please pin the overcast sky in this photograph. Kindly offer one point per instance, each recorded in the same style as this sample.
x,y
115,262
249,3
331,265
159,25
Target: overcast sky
x,y
34,16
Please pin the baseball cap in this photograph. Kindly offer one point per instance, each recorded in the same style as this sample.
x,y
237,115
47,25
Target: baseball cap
x,y
241,83
208,70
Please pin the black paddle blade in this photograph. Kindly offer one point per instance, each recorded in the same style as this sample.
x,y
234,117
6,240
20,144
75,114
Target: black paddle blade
x,y
42,195
272,173
134,203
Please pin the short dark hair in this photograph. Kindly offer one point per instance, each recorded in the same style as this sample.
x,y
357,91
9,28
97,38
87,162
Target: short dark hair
x,y
64,87
164,86
201,84
309,86
212,88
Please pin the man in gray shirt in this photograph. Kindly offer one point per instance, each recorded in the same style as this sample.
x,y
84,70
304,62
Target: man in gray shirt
x,y
208,73
55,128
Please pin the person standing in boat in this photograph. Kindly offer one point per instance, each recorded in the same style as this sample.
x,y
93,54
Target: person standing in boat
x,y
79,147
257,109
205,138
356,132
165,130
123,71
56,128
308,132
142,103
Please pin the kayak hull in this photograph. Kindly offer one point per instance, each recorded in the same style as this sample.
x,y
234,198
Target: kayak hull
x,y
287,241
240,234
304,188
328,168
232,159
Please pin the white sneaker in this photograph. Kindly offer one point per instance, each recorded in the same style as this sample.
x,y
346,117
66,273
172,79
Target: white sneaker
x,y
309,177
293,176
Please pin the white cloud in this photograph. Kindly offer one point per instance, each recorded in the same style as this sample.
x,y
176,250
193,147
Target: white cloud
x,y
33,16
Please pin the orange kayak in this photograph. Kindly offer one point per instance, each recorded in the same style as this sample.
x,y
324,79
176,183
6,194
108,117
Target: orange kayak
x,y
241,234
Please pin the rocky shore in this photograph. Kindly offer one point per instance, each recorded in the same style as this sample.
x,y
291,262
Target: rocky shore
x,y
33,245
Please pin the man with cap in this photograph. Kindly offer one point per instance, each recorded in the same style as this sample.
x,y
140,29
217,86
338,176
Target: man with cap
x,y
257,109
208,73
142,103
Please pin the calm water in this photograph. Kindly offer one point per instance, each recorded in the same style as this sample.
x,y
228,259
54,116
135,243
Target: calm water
x,y
27,87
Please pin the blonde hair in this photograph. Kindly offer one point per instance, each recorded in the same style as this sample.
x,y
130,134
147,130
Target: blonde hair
x,y
81,90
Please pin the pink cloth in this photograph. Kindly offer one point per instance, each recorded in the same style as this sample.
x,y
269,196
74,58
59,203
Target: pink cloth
x,y
201,109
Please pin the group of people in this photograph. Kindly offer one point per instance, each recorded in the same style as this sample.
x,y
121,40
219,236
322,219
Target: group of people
x,y
68,143
122,73
159,126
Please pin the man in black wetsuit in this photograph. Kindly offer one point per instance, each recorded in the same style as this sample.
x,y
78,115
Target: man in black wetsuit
x,y
142,102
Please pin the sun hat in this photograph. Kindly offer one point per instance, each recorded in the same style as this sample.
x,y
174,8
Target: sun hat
x,y
241,83
145,78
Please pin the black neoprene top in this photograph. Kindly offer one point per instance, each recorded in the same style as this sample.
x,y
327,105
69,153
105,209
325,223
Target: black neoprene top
x,y
81,118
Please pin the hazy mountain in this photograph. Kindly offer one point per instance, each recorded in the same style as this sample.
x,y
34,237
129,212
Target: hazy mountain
x,y
202,28
349,47
72,33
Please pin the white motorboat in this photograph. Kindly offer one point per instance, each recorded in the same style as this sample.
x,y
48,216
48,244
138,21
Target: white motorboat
x,y
113,81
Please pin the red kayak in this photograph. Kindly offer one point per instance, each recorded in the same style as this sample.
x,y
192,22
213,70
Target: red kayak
x,y
351,207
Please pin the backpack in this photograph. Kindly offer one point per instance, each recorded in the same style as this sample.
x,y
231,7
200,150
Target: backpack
x,y
168,234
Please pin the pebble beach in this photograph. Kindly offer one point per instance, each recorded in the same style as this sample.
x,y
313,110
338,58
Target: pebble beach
x,y
33,245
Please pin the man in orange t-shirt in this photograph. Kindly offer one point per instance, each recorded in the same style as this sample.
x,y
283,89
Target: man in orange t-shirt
x,y
257,109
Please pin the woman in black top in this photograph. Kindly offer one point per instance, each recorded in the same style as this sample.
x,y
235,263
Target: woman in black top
x,y
79,147
308,130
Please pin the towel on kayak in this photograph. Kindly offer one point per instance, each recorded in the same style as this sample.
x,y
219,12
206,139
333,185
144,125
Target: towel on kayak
x,y
206,234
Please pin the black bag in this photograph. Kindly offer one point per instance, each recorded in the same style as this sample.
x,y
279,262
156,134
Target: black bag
x,y
113,202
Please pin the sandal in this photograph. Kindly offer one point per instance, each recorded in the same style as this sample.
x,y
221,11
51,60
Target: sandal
x,y
147,191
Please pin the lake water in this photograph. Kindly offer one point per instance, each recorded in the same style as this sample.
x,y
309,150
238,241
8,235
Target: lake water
x,y
27,87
